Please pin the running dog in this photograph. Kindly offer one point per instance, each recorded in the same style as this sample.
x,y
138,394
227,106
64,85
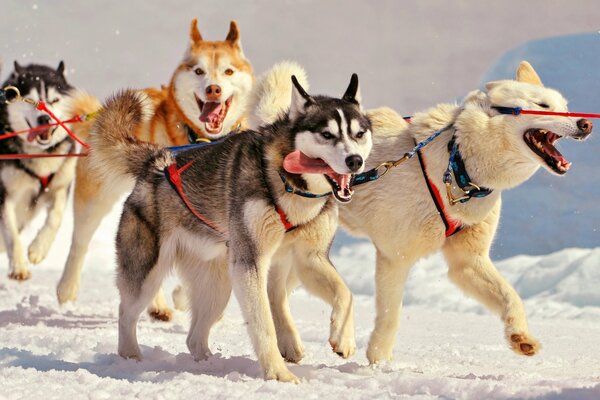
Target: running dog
x,y
448,196
225,213
30,185
205,100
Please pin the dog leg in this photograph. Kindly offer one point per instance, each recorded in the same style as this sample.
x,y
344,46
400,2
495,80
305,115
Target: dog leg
x,y
180,299
208,299
471,269
390,276
38,250
251,249
281,281
92,201
12,241
320,277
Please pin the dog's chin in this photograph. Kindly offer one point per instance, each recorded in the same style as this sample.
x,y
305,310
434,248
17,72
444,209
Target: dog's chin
x,y
541,142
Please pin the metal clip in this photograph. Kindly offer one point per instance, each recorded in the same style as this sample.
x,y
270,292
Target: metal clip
x,y
390,164
453,200
18,96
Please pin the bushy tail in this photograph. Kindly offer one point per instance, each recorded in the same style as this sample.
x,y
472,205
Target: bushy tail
x,y
272,93
116,150
84,104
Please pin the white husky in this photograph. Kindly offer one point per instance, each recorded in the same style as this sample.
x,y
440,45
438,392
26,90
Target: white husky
x,y
408,214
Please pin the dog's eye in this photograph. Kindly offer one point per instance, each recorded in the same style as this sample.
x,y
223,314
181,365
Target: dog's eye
x,y
229,71
53,101
359,135
199,71
327,135
543,105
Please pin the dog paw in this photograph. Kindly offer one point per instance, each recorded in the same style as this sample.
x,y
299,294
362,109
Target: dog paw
x,y
344,349
377,354
66,291
524,344
20,275
161,314
291,348
281,374
38,250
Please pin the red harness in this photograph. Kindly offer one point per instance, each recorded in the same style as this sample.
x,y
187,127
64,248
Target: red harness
x,y
452,226
173,175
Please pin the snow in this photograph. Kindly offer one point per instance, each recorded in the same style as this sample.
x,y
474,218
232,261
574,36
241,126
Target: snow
x,y
409,55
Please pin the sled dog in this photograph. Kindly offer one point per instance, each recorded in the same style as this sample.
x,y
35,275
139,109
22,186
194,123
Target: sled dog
x,y
408,215
224,214
205,100
28,186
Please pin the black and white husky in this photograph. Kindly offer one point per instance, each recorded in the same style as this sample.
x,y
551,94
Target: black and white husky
x,y
29,185
224,216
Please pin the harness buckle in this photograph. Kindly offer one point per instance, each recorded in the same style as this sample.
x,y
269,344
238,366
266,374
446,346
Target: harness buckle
x,y
453,200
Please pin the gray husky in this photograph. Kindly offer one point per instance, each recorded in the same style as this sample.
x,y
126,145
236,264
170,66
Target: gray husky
x,y
224,214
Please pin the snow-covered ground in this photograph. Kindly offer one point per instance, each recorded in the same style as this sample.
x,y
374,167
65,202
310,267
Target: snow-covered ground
x,y
448,346
409,55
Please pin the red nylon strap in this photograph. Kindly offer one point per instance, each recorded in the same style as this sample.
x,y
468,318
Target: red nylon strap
x,y
284,220
175,178
452,226
560,114
45,181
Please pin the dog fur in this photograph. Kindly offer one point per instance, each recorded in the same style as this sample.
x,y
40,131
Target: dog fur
x,y
28,186
398,215
207,67
235,184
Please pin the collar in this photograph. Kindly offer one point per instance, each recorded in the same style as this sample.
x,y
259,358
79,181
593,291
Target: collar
x,y
456,168
44,180
292,190
193,137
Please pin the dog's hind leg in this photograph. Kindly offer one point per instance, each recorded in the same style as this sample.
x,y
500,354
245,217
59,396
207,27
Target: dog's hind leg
x,y
9,227
472,270
209,293
92,201
143,262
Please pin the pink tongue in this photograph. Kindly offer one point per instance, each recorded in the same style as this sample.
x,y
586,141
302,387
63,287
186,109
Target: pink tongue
x,y
32,135
210,112
298,163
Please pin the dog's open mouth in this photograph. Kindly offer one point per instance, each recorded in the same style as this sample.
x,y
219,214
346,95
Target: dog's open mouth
x,y
541,142
299,163
41,134
213,114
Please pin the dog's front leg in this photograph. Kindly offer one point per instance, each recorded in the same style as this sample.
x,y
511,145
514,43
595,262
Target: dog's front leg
x,y
41,244
471,269
14,247
252,247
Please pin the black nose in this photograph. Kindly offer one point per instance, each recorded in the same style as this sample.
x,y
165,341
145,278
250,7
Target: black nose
x,y
585,126
43,120
354,162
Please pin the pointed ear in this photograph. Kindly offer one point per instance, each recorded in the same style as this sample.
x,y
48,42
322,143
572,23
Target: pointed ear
x,y
353,92
526,73
195,35
18,68
234,33
61,68
300,99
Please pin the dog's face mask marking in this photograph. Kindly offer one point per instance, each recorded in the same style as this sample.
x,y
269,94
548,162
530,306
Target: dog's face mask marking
x,y
538,133
39,83
212,77
333,137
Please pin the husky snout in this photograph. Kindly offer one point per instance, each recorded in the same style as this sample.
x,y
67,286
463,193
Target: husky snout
x,y
213,92
585,129
354,162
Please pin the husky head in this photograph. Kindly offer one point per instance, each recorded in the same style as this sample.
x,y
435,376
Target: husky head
x,y
332,139
39,83
212,84
535,135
